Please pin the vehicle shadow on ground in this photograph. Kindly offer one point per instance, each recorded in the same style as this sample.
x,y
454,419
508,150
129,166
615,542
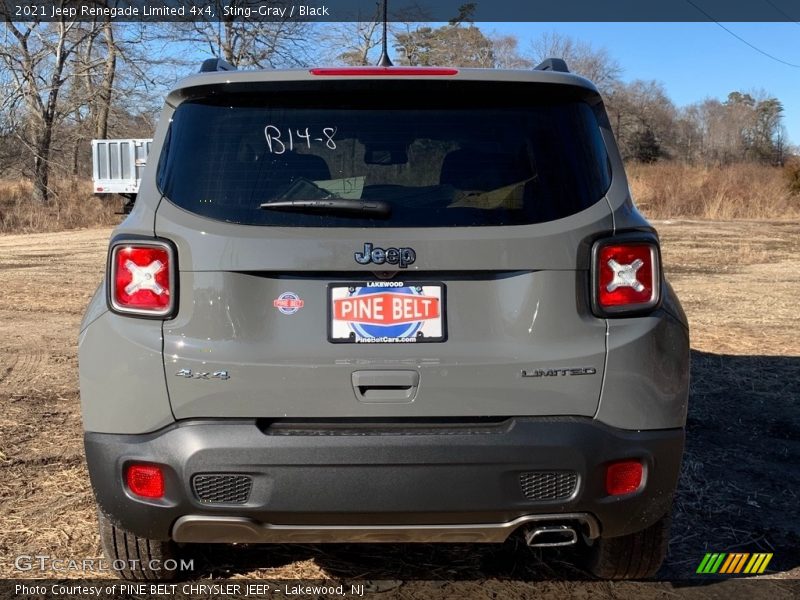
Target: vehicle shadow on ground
x,y
738,492
740,482
384,562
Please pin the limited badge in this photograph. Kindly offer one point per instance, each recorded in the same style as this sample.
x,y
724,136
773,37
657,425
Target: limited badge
x,y
288,303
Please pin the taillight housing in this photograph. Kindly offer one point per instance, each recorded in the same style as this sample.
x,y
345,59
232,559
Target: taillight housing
x,y
626,276
141,278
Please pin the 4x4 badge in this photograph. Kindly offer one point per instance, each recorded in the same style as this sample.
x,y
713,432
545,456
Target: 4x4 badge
x,y
390,256
188,374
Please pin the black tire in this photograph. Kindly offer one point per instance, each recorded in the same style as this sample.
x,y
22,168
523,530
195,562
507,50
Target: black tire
x,y
134,558
635,556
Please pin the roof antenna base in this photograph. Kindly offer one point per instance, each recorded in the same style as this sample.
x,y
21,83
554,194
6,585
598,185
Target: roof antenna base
x,y
212,65
558,65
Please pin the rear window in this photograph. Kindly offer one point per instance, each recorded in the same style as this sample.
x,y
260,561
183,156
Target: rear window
x,y
436,158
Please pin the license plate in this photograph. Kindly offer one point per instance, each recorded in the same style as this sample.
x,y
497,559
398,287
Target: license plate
x,y
386,312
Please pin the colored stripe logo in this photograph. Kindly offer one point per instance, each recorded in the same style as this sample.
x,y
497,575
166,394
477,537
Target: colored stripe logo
x,y
736,562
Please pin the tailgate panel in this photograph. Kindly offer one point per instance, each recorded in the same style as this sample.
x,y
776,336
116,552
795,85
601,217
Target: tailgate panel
x,y
282,365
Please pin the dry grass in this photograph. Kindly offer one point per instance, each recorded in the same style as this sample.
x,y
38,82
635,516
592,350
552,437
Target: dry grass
x,y
72,207
738,282
661,191
742,191
791,172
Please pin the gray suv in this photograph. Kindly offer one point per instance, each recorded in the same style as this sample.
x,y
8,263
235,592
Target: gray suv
x,y
385,304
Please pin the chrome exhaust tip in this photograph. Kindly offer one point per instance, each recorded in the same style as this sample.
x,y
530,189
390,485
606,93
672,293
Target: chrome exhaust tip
x,y
549,536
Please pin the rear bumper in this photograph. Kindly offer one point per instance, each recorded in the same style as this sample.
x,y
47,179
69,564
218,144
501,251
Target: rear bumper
x,y
383,483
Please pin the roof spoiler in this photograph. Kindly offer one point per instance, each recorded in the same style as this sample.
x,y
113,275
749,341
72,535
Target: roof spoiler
x,y
212,65
552,64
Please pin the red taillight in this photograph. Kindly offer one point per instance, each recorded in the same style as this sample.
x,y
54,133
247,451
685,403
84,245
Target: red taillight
x,y
146,481
627,277
623,477
390,71
142,278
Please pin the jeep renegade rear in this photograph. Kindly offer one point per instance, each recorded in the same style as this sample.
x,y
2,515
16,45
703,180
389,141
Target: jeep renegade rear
x,y
385,305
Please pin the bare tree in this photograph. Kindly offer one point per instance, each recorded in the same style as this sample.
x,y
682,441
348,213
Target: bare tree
x,y
594,64
247,42
94,69
67,82
747,126
689,135
505,50
37,56
643,118
105,89
62,82
352,43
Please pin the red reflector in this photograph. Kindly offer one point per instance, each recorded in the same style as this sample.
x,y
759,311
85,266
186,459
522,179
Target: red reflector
x,y
623,477
391,71
145,480
141,279
628,276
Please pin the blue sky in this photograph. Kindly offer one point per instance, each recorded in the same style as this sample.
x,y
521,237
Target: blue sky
x,y
694,61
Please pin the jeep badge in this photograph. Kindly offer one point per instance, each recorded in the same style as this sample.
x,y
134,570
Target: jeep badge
x,y
390,256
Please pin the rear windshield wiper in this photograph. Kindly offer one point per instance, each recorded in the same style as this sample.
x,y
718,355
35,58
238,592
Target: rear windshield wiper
x,y
351,208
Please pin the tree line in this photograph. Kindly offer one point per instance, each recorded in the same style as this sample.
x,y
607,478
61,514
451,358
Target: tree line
x,y
746,126
64,83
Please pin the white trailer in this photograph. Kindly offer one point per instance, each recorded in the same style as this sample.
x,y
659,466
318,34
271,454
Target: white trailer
x,y
117,166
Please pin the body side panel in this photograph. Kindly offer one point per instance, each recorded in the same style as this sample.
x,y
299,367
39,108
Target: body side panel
x,y
122,376
646,384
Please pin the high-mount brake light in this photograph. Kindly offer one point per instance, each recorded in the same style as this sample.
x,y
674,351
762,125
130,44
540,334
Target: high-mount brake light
x,y
142,278
626,276
385,71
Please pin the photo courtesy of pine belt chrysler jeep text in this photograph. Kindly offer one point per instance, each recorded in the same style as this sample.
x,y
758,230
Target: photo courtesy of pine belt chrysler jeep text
x,y
385,304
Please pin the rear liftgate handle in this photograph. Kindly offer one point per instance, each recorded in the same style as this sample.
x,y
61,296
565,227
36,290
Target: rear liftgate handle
x,y
386,386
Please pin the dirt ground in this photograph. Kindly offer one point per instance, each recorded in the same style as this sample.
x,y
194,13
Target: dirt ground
x,y
739,283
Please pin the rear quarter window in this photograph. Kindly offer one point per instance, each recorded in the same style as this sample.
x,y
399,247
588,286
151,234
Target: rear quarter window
x,y
457,156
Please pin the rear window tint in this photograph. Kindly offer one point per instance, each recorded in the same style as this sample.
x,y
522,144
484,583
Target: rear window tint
x,y
436,164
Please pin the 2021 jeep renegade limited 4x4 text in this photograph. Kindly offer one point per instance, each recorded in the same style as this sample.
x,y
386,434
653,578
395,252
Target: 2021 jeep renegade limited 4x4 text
x,y
385,305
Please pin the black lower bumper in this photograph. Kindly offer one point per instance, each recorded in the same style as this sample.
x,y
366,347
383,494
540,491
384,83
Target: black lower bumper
x,y
332,476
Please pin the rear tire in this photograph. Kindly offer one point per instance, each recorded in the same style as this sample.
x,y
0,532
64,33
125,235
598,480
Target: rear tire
x,y
635,556
142,559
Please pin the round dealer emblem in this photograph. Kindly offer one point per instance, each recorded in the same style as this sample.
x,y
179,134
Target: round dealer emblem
x,y
288,303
